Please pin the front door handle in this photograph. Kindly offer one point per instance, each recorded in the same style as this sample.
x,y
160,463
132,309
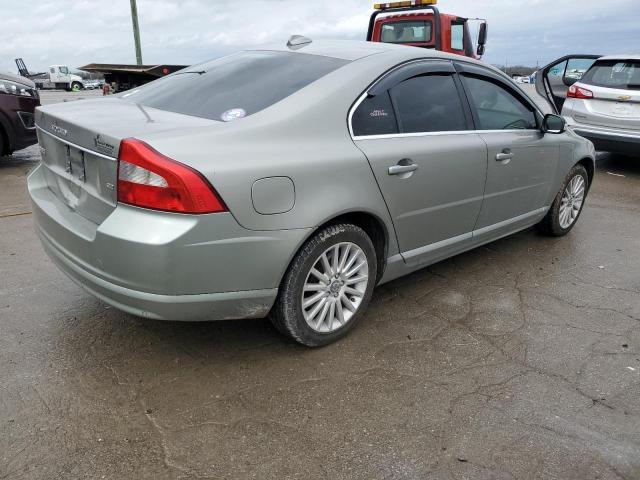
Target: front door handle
x,y
402,168
506,154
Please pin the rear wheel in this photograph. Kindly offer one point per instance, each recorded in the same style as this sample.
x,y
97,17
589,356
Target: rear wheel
x,y
327,287
568,204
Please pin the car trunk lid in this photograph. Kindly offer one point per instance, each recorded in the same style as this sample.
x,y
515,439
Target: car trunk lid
x,y
79,145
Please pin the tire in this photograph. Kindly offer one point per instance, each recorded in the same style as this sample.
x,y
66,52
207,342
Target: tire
x,y
4,148
291,317
76,87
554,224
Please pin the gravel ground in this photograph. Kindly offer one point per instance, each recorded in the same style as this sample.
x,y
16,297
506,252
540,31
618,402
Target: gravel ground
x,y
518,360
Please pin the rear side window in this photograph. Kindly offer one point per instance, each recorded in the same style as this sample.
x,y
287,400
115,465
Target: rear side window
x,y
406,32
428,103
457,36
235,86
497,108
614,74
374,116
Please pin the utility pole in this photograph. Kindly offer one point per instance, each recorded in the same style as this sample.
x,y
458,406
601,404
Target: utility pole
x,y
136,32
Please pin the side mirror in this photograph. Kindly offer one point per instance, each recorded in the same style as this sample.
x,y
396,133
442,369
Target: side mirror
x,y
553,124
568,81
482,34
482,39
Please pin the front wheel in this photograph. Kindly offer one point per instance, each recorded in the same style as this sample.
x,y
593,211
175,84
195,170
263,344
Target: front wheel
x,y
568,204
76,86
327,287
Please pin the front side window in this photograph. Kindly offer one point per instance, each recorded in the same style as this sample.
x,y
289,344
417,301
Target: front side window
x,y
614,74
374,116
457,36
64,70
497,108
406,32
235,86
429,103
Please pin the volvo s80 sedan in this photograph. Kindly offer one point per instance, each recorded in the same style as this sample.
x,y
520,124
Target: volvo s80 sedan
x,y
289,181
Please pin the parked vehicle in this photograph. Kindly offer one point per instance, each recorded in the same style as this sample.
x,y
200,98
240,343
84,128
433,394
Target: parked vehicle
x,y
57,77
308,175
419,23
92,84
601,101
18,100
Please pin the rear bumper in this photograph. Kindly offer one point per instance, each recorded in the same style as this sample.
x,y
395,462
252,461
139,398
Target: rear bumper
x,y
210,306
165,266
609,139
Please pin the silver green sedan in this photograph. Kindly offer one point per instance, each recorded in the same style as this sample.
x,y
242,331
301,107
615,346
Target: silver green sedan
x,y
291,180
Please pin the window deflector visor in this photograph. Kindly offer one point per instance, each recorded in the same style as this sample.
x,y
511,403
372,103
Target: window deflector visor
x,y
411,70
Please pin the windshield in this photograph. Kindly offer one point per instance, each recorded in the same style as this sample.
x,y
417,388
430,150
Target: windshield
x,y
406,32
623,74
235,86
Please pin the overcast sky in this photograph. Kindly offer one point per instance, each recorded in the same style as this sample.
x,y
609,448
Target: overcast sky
x,y
77,32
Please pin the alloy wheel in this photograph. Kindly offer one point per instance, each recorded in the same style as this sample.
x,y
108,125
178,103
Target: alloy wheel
x,y
571,201
335,287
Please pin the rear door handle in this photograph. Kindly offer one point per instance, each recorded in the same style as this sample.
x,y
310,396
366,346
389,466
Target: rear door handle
x,y
506,154
400,169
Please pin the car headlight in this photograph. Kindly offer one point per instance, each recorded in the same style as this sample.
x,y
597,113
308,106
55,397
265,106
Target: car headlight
x,y
13,88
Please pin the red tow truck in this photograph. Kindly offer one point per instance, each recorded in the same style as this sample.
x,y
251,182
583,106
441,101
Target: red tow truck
x,y
419,23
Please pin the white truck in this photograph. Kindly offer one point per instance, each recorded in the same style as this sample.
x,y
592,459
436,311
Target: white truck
x,y
61,78
57,77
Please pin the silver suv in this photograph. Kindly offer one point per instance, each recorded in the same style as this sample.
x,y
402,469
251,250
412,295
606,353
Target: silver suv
x,y
599,98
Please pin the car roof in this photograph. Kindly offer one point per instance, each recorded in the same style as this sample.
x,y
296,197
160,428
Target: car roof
x,y
356,49
628,56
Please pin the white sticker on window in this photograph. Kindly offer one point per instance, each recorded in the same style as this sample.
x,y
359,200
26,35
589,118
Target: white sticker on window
x,y
233,114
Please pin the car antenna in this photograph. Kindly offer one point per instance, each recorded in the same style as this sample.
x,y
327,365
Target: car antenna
x,y
296,42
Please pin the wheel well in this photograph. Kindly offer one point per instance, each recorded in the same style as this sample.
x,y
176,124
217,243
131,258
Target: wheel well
x,y
374,227
587,163
4,141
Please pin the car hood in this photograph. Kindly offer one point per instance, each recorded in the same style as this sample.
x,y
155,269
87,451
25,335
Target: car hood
x,y
17,79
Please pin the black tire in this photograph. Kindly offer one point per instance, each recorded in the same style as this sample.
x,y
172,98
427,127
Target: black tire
x,y
550,224
4,148
76,86
287,314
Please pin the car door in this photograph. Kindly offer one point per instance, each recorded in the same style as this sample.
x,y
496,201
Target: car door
x,y
553,80
415,130
521,159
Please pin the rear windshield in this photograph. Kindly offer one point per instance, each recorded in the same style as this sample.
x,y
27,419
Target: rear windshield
x,y
406,32
235,86
614,74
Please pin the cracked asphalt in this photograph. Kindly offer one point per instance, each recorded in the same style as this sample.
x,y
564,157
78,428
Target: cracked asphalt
x,y
518,360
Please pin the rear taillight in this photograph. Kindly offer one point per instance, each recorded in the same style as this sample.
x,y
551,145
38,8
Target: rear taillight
x,y
148,179
579,92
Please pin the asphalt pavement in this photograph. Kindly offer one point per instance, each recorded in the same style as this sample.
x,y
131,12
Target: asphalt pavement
x,y
517,360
